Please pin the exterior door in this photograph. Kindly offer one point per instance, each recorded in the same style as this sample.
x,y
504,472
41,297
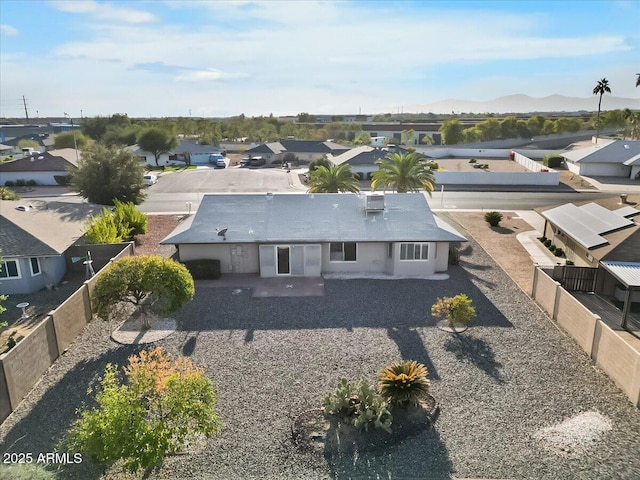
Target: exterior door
x,y
283,263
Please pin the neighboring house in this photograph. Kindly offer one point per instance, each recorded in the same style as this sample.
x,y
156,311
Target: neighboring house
x,y
186,152
44,141
314,234
41,168
295,151
393,131
35,236
363,159
591,233
617,158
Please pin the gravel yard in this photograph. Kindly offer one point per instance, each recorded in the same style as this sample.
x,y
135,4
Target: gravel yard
x,y
499,385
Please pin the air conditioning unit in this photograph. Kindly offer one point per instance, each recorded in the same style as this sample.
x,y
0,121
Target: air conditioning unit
x,y
374,202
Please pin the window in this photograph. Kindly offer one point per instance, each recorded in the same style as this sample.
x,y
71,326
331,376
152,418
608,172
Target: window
x,y
10,269
342,252
414,251
35,266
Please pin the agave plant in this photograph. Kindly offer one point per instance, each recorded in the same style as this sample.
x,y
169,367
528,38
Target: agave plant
x,y
404,383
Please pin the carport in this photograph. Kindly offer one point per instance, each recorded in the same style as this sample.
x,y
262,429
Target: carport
x,y
628,274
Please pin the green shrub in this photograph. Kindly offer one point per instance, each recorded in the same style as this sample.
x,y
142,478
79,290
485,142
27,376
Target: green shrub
x,y
26,471
552,161
204,269
9,183
552,248
340,401
125,213
456,310
433,165
473,160
558,252
62,179
21,182
31,183
547,243
493,218
570,262
106,228
370,408
542,239
403,383
8,194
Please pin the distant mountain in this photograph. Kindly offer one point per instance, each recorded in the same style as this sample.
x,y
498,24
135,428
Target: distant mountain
x,y
527,104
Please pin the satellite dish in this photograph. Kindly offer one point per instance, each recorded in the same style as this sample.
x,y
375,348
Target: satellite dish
x,y
222,233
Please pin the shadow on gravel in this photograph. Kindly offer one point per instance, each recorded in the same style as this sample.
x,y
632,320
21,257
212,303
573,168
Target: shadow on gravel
x,y
347,304
477,352
412,348
45,425
398,462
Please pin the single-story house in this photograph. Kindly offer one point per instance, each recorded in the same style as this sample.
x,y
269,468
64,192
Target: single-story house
x,y
617,158
40,167
295,151
185,153
314,234
35,236
44,141
363,159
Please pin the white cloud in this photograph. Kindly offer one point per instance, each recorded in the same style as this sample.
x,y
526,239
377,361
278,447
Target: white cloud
x,y
105,11
207,75
8,31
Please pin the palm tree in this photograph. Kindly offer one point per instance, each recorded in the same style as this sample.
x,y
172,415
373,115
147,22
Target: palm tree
x,y
404,173
638,80
601,87
338,178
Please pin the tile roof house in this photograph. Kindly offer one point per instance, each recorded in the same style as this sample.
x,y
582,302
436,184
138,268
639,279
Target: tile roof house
x,y
303,151
310,235
35,237
40,167
617,158
195,153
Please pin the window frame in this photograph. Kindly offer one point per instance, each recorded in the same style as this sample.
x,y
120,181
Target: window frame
x,y
10,277
342,244
422,246
39,272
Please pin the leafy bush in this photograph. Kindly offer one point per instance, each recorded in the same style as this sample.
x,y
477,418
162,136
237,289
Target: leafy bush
x,y
493,218
542,239
547,243
125,213
25,471
156,410
62,180
473,160
552,161
456,310
8,194
570,262
433,165
106,228
558,252
146,279
403,383
9,183
21,182
204,269
31,183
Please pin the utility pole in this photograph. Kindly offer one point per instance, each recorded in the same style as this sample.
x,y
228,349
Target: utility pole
x,y
26,112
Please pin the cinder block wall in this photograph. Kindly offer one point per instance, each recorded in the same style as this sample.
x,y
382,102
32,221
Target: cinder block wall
x,y
71,317
576,320
544,291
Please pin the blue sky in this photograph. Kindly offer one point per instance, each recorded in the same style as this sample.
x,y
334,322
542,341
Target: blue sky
x,y
214,58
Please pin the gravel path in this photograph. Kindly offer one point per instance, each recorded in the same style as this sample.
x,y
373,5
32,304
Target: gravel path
x,y
508,377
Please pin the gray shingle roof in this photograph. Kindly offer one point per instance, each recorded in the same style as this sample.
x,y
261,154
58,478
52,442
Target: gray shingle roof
x,y
299,146
304,218
39,162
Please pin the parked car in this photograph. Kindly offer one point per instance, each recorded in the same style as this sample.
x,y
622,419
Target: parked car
x,y
245,162
218,160
257,162
150,179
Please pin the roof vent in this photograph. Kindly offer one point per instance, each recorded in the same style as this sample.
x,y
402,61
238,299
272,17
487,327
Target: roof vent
x,y
374,202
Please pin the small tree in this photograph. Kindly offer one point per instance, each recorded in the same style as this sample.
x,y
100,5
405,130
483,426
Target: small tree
x,y
454,311
493,218
159,407
67,140
144,281
157,141
106,174
26,143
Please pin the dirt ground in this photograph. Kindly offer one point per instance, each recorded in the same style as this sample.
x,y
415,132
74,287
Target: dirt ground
x,y
463,165
499,242
159,226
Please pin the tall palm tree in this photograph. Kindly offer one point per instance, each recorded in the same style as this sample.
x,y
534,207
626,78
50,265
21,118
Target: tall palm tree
x,y
338,178
404,173
601,87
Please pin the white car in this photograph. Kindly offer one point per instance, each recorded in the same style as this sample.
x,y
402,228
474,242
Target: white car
x,y
150,179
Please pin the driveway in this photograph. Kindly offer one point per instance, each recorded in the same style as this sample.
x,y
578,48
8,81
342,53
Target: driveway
x,y
498,384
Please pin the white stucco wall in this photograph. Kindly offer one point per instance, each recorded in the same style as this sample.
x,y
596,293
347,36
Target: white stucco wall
x,y
497,178
415,268
604,170
370,258
41,178
442,256
234,258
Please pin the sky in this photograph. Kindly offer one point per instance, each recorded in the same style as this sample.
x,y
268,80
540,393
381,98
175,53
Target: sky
x,y
217,59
